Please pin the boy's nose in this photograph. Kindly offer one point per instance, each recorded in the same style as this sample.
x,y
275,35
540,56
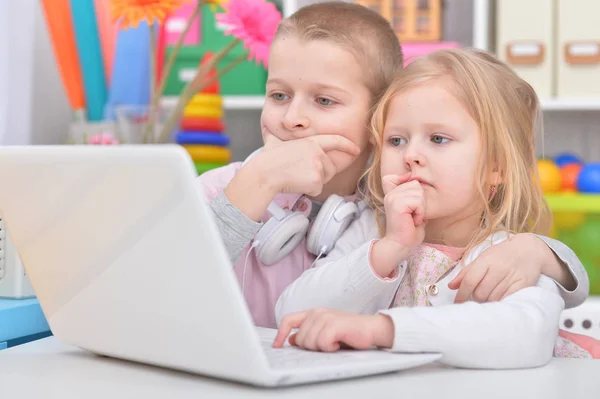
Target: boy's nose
x,y
295,118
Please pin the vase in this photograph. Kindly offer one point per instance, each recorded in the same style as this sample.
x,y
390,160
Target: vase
x,y
82,133
132,124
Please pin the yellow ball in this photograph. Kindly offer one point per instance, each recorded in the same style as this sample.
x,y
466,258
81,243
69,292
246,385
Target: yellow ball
x,y
550,176
568,220
553,232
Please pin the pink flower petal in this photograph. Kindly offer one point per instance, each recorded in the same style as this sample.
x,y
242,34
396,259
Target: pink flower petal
x,y
254,22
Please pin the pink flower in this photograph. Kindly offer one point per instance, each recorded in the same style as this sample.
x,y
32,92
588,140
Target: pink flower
x,y
103,139
254,22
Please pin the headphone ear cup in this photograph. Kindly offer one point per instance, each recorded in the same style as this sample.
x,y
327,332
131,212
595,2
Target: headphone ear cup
x,y
277,238
332,220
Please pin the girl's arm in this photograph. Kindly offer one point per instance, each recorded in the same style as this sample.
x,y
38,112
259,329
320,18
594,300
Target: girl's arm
x,y
520,331
343,280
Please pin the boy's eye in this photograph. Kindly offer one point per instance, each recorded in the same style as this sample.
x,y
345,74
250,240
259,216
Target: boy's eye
x,y
396,141
279,96
439,139
324,101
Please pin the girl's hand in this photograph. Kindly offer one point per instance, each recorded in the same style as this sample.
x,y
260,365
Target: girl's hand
x,y
501,270
329,330
404,204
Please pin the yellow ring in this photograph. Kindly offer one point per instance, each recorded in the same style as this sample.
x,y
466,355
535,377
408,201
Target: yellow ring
x,y
208,153
193,111
206,100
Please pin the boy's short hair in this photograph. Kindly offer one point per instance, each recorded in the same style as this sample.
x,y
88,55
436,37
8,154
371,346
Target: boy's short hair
x,y
363,32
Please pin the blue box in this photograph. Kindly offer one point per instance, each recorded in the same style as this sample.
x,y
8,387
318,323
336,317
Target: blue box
x,y
21,321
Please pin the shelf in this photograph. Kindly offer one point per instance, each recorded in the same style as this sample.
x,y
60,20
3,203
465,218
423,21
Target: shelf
x,y
574,202
553,104
571,104
229,102
483,13
481,24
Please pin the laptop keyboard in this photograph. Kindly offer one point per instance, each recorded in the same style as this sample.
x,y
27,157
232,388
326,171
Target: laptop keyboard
x,y
291,357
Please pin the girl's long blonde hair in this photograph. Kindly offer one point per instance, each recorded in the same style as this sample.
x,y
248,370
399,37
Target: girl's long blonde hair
x,y
507,112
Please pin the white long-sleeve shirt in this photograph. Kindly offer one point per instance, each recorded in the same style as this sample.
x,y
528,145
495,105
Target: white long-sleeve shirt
x,y
519,331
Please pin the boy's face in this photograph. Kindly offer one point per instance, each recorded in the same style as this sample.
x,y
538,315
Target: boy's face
x,y
315,87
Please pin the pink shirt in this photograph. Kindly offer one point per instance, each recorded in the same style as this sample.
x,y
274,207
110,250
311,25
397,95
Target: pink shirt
x,y
263,284
454,253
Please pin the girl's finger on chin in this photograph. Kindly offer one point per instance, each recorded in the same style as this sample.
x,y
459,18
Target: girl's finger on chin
x,y
391,182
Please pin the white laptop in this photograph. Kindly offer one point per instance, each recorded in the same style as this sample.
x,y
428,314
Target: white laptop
x,y
126,261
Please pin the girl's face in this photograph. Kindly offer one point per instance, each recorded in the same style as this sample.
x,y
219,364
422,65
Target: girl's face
x,y
429,133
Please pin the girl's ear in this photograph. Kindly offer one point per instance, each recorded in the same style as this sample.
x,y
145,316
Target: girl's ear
x,y
496,178
372,140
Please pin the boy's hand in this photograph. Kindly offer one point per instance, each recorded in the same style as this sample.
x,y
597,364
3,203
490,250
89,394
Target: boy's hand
x,y
501,270
299,166
329,330
303,165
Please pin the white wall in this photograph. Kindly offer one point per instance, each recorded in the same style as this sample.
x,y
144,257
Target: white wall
x,y
33,105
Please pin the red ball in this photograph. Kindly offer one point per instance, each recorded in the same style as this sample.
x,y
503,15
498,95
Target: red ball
x,y
569,175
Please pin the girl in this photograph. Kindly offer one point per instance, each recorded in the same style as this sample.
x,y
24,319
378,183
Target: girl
x,y
454,174
314,125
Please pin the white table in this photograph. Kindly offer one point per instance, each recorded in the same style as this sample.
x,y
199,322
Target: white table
x,y
49,368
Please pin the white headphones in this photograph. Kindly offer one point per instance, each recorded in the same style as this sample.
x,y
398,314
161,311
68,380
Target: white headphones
x,y
285,229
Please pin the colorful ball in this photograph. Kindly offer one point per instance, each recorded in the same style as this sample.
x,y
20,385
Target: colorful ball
x,y
569,175
550,177
566,158
589,179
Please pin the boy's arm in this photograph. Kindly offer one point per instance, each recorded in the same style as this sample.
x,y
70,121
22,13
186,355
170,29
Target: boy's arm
x,y
236,229
517,263
567,270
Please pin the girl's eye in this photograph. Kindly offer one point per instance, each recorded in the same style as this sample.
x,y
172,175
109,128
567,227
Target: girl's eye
x,y
279,96
439,139
324,101
396,141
